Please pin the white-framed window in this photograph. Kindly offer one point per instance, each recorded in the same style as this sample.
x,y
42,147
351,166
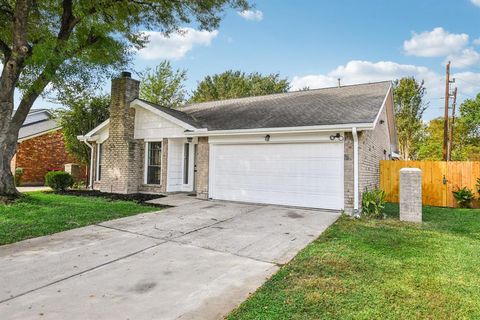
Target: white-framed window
x,y
186,162
99,161
153,163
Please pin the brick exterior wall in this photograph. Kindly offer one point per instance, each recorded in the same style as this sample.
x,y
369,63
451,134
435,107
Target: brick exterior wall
x,y
348,172
122,155
41,154
373,146
163,183
201,182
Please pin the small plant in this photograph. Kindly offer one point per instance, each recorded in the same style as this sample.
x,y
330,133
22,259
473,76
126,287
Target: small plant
x,y
373,203
59,180
18,176
477,186
79,185
464,197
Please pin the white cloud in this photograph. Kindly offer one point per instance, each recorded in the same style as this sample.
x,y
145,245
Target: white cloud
x,y
356,71
435,43
465,58
177,45
252,15
361,72
475,2
477,41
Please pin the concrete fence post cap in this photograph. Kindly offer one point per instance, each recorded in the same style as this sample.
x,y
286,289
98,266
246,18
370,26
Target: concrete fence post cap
x,y
410,170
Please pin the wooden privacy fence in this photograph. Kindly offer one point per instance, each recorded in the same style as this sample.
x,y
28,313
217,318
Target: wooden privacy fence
x,y
439,179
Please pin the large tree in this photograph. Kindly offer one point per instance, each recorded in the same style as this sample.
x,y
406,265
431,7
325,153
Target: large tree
x,y
58,42
409,108
163,85
81,113
237,84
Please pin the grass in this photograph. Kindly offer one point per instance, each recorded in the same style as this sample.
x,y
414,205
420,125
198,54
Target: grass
x,y
38,214
384,269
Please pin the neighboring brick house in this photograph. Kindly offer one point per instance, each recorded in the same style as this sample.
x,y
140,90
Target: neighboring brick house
x,y
317,148
40,148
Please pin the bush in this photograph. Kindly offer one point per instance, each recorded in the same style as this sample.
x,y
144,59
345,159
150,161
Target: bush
x,y
59,180
373,203
477,186
18,176
464,197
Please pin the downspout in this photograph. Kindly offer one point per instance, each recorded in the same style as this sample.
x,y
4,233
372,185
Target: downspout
x,y
355,172
90,178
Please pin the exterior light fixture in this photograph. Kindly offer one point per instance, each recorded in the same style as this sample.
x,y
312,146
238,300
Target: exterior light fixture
x,y
337,136
382,121
267,137
189,139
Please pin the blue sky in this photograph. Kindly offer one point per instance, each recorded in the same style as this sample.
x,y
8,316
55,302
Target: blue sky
x,y
313,43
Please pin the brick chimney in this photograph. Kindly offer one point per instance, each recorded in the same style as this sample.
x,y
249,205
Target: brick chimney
x,y
120,170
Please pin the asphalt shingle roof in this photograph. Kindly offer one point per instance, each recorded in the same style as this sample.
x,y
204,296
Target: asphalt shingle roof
x,y
329,106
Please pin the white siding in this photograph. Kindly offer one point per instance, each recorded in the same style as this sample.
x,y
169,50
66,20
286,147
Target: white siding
x,y
151,126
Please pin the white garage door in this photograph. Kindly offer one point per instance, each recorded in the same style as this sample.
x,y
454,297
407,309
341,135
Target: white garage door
x,y
301,174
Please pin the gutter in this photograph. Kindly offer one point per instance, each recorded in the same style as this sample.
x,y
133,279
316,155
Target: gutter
x,y
305,129
90,178
356,212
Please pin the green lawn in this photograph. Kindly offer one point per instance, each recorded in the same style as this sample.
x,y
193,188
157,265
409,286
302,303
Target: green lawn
x,y
39,214
380,270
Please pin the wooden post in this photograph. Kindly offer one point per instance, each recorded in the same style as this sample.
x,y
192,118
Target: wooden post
x,y
450,143
445,125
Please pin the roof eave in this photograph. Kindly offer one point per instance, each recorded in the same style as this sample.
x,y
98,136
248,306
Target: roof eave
x,y
322,128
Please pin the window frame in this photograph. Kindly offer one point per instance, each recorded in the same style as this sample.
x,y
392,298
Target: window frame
x,y
186,163
147,164
99,156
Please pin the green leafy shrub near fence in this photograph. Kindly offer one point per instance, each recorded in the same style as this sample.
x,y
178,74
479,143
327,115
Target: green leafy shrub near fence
x,y
477,186
59,180
464,197
373,203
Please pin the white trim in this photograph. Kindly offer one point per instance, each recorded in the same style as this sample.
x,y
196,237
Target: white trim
x,y
139,103
382,107
306,129
38,134
355,172
98,160
145,174
90,178
90,134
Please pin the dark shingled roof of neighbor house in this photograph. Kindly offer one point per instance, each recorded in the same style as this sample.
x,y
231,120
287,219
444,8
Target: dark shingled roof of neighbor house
x,y
351,104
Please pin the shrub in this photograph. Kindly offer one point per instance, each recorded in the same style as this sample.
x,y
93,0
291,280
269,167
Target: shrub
x,y
373,203
59,180
464,197
18,176
477,186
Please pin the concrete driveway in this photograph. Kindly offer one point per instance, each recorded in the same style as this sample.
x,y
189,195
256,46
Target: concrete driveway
x,y
198,260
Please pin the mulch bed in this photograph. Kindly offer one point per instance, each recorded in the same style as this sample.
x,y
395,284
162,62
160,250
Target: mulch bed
x,y
139,198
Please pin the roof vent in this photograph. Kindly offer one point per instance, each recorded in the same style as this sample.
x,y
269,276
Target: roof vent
x,y
339,82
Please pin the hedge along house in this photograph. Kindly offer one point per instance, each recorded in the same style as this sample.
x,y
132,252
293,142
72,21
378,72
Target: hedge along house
x,y
317,148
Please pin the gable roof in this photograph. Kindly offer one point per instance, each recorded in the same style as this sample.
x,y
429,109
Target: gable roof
x,y
355,104
38,122
183,117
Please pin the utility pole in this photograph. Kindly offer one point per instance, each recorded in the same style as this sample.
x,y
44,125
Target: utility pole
x,y
450,144
445,125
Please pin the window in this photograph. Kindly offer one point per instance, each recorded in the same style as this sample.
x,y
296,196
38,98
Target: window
x,y
186,156
99,161
154,163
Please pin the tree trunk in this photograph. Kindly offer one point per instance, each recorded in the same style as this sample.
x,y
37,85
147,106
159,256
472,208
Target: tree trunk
x,y
7,182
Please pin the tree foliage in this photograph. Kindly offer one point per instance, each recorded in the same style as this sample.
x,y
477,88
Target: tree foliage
x,y
80,114
62,42
237,84
409,107
163,85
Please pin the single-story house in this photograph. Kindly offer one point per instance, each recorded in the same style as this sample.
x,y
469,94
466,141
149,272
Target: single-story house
x,y
40,148
315,148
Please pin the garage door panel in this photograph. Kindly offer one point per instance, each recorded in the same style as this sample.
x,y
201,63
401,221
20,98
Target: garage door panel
x,y
307,175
